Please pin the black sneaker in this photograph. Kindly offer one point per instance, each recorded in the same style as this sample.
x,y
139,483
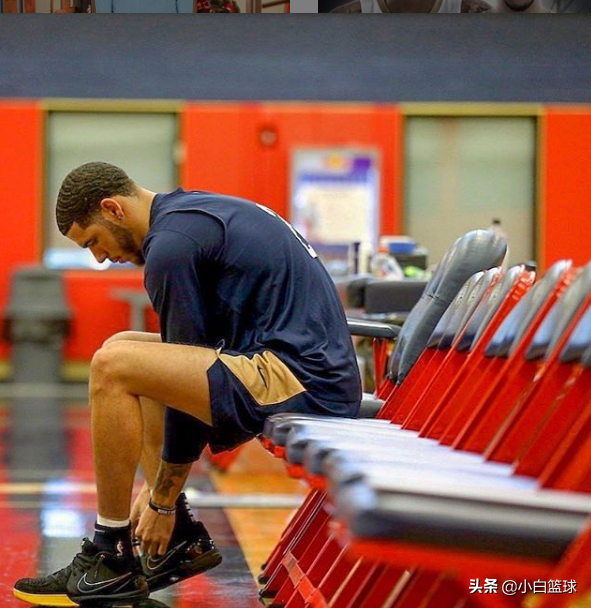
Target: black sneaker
x,y
184,558
92,575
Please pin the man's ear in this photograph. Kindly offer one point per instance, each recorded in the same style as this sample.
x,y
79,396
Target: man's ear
x,y
111,209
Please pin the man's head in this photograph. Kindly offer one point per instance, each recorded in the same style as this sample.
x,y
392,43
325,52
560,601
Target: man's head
x,y
94,210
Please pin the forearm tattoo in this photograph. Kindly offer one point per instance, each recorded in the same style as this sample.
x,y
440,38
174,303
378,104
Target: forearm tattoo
x,y
169,482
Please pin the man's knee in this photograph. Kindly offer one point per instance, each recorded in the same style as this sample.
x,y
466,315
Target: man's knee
x,y
109,362
123,335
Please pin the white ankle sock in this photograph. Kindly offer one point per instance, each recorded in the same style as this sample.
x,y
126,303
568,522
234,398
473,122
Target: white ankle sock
x,y
112,523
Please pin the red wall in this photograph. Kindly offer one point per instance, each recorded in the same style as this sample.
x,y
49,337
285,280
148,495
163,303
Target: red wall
x,y
97,313
218,148
21,137
566,184
224,152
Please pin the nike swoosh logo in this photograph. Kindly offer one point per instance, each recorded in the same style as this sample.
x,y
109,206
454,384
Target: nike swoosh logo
x,y
94,587
158,563
260,370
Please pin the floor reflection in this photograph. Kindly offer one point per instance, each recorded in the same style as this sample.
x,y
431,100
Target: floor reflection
x,y
48,502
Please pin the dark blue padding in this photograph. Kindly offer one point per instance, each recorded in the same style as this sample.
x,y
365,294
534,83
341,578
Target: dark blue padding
x,y
475,251
579,341
455,523
562,313
518,321
488,308
462,314
452,308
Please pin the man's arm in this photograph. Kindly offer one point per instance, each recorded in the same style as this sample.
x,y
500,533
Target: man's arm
x,y
173,281
169,483
155,526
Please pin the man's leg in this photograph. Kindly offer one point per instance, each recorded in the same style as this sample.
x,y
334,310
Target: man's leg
x,y
153,437
152,414
121,373
192,548
153,422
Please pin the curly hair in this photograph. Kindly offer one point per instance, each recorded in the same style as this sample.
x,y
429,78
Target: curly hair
x,y
84,188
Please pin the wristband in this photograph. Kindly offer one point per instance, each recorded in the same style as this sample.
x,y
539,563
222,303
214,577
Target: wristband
x,y
161,510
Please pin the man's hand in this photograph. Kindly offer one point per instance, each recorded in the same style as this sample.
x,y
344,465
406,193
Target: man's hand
x,y
139,506
154,532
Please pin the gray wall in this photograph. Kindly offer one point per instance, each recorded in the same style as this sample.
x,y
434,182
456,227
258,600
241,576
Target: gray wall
x,y
316,57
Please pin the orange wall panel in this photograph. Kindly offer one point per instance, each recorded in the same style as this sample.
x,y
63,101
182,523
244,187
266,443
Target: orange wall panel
x,y
565,220
244,149
96,312
218,144
21,145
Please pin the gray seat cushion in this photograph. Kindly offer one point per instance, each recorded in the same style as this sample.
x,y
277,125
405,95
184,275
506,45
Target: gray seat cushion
x,y
536,528
561,315
476,251
370,406
520,319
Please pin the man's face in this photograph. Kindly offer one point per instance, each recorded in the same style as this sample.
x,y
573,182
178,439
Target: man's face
x,y
108,240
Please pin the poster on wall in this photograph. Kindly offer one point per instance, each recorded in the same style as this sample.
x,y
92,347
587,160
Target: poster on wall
x,y
335,196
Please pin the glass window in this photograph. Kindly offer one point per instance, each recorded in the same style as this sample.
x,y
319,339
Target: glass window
x,y
463,172
143,144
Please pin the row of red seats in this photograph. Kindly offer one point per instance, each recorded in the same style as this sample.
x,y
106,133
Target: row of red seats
x,y
450,485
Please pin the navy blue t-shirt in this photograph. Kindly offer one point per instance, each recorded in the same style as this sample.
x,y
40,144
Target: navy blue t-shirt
x,y
224,272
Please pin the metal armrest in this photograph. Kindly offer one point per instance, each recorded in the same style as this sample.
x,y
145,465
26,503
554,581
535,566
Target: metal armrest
x,y
372,329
